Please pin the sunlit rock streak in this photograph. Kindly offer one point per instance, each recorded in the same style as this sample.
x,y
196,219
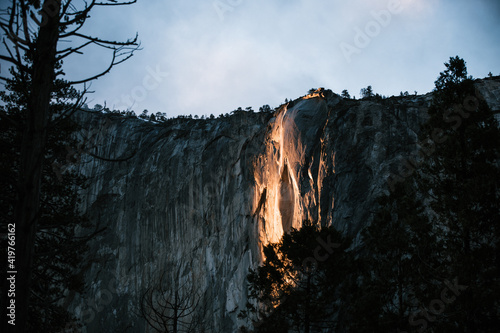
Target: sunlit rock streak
x,y
199,199
290,171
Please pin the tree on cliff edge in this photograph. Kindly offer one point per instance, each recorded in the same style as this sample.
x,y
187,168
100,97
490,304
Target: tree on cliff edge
x,y
33,29
345,94
367,92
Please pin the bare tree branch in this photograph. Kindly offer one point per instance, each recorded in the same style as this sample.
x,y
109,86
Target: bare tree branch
x,y
171,307
68,112
122,159
11,60
72,50
16,28
112,64
106,42
80,17
115,3
24,16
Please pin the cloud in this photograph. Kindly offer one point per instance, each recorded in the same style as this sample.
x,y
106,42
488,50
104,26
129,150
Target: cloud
x,y
261,52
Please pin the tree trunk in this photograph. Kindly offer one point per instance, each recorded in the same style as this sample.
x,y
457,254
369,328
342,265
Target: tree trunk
x,y
32,153
307,320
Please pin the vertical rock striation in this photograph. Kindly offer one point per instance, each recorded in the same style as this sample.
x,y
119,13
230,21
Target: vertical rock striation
x,y
197,199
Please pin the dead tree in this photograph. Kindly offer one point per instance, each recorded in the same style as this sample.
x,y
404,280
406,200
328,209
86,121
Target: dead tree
x,y
33,30
172,308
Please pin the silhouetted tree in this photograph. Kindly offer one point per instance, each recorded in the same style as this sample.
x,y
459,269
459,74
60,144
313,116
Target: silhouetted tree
x,y
451,78
437,227
366,92
265,108
160,116
345,94
170,308
59,252
27,36
297,285
396,265
462,178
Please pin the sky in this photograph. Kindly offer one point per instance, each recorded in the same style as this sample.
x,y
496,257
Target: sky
x,y
205,57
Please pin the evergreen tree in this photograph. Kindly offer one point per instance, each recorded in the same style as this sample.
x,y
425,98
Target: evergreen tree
x,y
429,261
345,94
367,92
297,287
265,108
394,266
59,253
462,178
34,45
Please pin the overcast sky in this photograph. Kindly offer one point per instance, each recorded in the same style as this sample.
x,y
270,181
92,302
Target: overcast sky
x,y
210,56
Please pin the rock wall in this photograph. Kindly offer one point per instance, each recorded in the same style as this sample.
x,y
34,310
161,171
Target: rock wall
x,y
195,200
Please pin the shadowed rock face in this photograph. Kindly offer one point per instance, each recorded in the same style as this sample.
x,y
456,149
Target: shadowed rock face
x,y
198,199
286,200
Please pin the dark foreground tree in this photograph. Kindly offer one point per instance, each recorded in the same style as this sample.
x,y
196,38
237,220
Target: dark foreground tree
x,y
395,266
430,260
462,179
173,308
33,32
296,288
59,253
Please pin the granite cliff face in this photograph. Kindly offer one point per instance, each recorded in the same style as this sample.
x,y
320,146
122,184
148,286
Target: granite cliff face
x,y
195,200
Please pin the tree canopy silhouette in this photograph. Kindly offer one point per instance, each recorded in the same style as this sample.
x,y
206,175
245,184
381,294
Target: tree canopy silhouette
x,y
33,32
462,181
297,285
367,92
